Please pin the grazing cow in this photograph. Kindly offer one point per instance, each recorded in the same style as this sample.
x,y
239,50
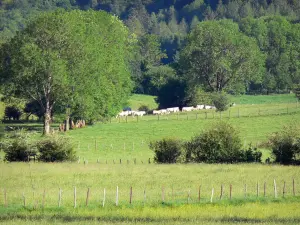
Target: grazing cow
x,y
139,113
123,113
200,107
164,111
187,109
174,109
156,112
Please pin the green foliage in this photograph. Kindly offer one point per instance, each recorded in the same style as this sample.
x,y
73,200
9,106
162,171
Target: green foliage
x,y
219,144
252,155
220,101
172,94
56,149
218,56
144,108
195,95
155,77
60,59
17,147
12,112
285,144
166,150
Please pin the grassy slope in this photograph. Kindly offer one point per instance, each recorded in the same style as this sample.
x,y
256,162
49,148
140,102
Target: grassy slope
x,y
264,99
136,101
34,178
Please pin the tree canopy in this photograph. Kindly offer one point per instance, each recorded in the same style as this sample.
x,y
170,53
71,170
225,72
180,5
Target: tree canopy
x,y
219,57
76,60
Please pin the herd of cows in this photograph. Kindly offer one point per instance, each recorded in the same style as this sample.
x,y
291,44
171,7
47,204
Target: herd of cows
x,y
164,111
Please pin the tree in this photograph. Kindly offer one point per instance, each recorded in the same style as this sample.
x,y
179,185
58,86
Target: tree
x,y
60,59
217,56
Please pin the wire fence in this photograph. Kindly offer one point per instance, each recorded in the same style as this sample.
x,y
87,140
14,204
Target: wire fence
x,y
148,196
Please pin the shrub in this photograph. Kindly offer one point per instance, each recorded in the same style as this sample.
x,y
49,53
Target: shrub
x,y
252,155
220,101
285,144
56,148
17,147
219,144
144,108
166,150
12,112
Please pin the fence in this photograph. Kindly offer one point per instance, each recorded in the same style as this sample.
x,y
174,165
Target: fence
x,y
104,197
234,112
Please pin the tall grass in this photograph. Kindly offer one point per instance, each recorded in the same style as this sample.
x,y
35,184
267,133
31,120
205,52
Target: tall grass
x,y
177,180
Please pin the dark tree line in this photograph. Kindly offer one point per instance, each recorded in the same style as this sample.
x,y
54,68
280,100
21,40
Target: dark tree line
x,y
165,28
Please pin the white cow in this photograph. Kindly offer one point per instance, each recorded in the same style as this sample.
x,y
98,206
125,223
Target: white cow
x,y
174,109
187,109
139,113
123,113
200,107
164,111
156,112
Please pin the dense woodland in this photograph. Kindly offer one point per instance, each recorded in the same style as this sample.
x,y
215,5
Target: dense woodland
x,y
183,46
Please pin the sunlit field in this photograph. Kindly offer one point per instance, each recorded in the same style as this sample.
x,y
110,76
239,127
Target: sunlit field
x,y
116,154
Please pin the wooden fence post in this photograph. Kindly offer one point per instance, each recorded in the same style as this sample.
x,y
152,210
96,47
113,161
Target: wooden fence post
x,y
294,191
265,189
245,190
221,194
257,189
5,197
117,196
275,189
87,197
212,195
120,161
103,203
163,194
189,196
75,198
44,199
132,146
95,144
24,199
130,196
59,197
230,192
238,112
199,193
283,190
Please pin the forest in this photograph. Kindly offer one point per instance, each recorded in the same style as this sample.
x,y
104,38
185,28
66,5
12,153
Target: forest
x,y
189,47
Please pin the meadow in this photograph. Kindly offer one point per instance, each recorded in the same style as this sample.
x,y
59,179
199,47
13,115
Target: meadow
x,y
161,194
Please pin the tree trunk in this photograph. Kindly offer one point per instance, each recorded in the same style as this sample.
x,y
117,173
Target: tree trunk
x,y
47,121
67,123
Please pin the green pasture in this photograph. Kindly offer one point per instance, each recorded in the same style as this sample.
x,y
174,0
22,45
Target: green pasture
x,y
116,153
264,99
137,100
177,181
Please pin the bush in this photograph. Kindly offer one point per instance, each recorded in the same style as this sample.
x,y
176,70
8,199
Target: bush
x,y
220,101
56,149
17,147
166,150
252,155
285,144
12,112
144,108
220,144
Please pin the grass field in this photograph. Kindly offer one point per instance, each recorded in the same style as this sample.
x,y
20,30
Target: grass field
x,y
177,180
109,142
